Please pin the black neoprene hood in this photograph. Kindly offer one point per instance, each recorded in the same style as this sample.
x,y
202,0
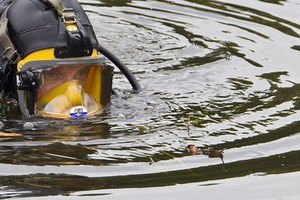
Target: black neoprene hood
x,y
34,25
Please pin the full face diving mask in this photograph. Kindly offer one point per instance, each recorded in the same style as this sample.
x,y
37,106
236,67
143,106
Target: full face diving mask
x,y
64,88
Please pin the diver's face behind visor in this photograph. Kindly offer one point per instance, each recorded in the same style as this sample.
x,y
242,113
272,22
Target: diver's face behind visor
x,y
64,88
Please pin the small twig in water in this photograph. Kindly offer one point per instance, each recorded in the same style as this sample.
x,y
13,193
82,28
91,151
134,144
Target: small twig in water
x,y
211,153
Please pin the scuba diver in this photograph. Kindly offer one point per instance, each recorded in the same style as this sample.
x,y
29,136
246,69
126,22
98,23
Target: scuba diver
x,y
51,61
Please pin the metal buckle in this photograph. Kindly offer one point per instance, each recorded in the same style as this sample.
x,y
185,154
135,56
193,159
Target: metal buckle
x,y
14,57
68,16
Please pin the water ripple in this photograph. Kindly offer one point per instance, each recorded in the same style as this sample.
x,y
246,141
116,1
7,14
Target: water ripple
x,y
216,74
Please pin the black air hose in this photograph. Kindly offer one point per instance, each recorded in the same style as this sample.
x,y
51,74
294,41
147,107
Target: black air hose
x,y
131,78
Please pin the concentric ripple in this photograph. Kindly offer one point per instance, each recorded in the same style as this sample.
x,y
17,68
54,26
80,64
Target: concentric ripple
x,y
221,75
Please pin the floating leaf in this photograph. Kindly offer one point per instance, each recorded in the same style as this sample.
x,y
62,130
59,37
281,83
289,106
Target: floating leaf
x,y
211,153
193,149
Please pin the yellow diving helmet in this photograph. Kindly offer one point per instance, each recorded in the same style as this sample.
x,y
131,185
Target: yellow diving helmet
x,y
55,54
63,88
50,50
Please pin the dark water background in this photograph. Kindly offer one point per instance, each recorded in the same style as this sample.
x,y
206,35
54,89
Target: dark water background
x,y
215,74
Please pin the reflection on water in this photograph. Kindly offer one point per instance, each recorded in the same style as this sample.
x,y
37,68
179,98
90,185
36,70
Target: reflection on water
x,y
220,75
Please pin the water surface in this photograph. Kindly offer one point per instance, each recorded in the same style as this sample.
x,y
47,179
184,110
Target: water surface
x,y
221,75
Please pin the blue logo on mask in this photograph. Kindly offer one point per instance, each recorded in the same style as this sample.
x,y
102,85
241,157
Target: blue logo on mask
x,y
78,111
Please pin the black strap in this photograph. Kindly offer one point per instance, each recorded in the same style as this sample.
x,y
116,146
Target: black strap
x,y
9,50
9,55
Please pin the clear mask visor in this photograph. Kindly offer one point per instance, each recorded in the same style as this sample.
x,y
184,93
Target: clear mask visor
x,y
71,90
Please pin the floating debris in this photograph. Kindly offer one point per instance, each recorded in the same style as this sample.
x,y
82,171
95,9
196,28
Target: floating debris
x,y
193,149
208,151
211,153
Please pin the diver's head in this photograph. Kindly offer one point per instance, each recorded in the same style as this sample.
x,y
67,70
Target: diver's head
x,y
59,71
63,88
